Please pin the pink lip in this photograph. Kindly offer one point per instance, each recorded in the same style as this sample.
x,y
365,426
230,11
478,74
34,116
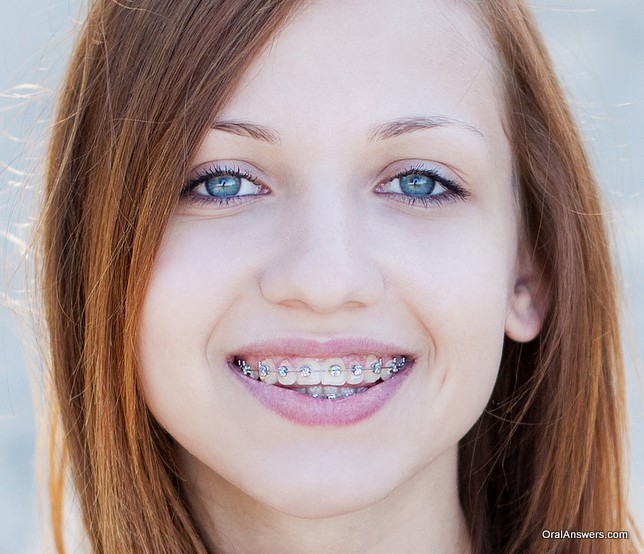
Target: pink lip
x,y
306,348
306,410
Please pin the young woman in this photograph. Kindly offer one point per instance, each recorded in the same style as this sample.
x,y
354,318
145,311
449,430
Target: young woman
x,y
328,276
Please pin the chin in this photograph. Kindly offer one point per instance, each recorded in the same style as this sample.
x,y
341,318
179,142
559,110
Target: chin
x,y
324,500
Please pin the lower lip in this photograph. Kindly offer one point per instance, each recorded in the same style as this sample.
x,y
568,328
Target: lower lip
x,y
305,410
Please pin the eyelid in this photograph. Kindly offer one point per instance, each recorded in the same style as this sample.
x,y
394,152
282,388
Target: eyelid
x,y
236,167
201,174
443,177
452,185
409,166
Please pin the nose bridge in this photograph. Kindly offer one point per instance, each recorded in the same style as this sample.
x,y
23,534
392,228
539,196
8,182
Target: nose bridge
x,y
326,222
324,264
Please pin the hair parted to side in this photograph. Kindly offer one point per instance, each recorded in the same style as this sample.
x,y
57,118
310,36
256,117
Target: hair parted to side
x,y
548,453
145,80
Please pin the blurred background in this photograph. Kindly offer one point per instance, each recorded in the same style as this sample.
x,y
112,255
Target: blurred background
x,y
598,48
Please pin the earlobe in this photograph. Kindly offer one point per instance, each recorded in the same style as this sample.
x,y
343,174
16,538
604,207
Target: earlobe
x,y
526,312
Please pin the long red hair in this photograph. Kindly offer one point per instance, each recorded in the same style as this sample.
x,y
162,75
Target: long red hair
x,y
143,83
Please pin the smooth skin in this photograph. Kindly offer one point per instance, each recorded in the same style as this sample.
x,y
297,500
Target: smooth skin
x,y
325,245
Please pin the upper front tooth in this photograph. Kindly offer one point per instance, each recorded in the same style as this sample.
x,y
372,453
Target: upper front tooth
x,y
309,372
335,373
356,375
285,375
313,371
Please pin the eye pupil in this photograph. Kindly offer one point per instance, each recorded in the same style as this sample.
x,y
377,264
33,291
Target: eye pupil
x,y
223,185
416,184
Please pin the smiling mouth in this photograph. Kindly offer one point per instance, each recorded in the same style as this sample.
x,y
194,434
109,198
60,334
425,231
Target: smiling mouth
x,y
326,378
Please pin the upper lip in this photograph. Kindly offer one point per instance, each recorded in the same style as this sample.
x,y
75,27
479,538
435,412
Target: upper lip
x,y
308,348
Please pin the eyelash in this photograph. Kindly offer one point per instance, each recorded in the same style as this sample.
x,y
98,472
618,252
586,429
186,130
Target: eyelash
x,y
453,190
211,172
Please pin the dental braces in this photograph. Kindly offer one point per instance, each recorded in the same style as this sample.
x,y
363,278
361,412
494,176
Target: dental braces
x,y
393,366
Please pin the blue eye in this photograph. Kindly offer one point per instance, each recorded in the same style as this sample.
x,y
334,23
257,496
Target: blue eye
x,y
416,184
222,185
424,185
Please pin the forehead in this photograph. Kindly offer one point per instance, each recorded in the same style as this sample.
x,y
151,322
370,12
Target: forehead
x,y
340,64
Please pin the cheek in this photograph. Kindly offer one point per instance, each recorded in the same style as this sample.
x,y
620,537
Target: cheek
x,y
457,281
457,275
190,291
198,275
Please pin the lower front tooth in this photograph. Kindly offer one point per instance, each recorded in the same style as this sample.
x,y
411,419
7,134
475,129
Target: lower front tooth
x,y
331,392
314,391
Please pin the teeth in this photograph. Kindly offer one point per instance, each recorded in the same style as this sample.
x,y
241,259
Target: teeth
x,y
267,372
356,375
334,374
309,372
393,365
376,366
373,372
389,369
246,369
286,376
316,392
263,370
324,378
331,393
385,375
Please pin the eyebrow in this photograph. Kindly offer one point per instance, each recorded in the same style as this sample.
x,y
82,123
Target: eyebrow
x,y
245,129
384,131
402,126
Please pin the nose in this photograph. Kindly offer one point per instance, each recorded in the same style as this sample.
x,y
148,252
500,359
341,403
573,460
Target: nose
x,y
323,263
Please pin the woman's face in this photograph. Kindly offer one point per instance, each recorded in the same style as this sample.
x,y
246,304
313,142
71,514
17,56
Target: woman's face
x,y
352,204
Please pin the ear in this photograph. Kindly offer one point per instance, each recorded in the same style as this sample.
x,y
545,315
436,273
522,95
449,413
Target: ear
x,y
528,305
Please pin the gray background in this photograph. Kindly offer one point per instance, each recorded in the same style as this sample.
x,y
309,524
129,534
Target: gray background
x,y
598,47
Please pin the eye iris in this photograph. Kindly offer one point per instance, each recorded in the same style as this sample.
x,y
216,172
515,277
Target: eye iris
x,y
223,185
416,184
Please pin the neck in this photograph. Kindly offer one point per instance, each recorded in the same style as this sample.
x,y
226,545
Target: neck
x,y
422,512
